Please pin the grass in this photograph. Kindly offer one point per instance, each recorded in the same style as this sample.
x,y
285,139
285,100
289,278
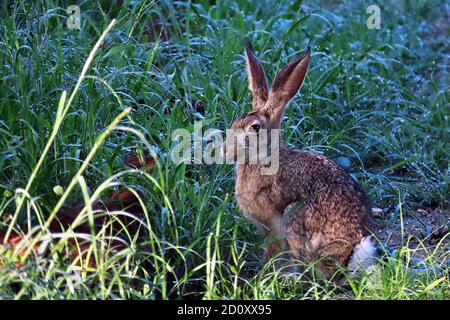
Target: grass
x,y
374,100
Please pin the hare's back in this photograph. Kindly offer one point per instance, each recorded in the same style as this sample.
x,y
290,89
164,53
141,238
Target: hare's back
x,y
328,198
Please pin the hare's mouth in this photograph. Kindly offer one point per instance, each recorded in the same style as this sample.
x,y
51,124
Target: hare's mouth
x,y
246,148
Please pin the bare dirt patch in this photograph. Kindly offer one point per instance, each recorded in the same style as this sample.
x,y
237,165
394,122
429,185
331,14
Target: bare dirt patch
x,y
425,231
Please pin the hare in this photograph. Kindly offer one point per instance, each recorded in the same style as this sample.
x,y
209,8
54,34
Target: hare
x,y
310,207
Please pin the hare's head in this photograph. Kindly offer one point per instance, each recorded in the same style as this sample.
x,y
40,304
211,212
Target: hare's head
x,y
268,105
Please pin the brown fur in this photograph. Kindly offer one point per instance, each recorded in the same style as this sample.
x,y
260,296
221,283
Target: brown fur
x,y
311,207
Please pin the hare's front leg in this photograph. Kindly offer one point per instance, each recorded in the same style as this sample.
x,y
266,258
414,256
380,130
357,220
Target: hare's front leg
x,y
260,210
269,227
274,242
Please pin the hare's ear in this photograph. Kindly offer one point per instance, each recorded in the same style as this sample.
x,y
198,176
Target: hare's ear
x,y
287,83
256,78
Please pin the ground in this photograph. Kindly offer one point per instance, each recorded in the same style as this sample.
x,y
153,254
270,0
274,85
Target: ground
x,y
424,231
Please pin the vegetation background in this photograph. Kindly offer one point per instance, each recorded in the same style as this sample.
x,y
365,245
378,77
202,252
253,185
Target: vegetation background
x,y
81,217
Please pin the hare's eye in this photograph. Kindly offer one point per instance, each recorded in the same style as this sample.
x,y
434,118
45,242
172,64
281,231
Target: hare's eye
x,y
256,127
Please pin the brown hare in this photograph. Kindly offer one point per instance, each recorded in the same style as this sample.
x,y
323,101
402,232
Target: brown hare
x,y
310,207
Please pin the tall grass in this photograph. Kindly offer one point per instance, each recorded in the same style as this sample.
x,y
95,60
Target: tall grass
x,y
374,100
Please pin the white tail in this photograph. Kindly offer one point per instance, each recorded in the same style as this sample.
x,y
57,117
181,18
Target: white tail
x,y
364,255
